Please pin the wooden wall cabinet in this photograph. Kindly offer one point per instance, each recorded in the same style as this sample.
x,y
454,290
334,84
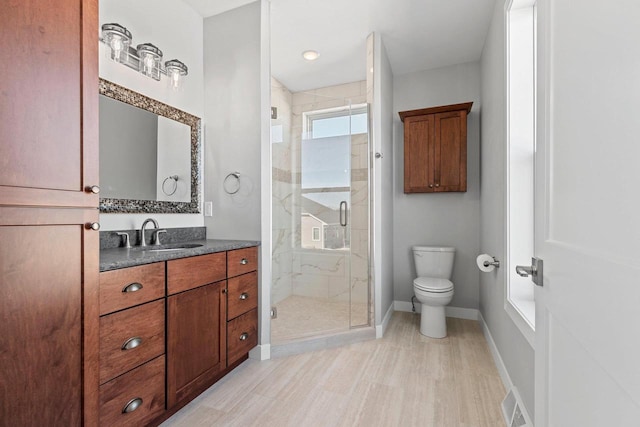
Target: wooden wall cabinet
x,y
49,255
435,149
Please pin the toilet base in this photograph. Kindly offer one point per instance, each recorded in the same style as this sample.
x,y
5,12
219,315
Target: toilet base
x,y
433,322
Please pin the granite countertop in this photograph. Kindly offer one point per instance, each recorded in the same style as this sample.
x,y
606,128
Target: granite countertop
x,y
116,258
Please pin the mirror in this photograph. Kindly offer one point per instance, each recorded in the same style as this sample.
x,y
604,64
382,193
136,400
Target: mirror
x,y
149,154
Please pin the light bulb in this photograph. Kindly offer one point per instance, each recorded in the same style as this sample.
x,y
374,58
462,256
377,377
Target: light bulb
x,y
116,47
175,79
148,64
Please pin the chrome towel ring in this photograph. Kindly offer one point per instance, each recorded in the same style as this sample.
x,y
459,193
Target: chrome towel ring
x,y
175,185
231,183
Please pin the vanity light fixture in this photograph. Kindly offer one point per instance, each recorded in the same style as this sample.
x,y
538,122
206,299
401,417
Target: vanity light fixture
x,y
145,58
310,55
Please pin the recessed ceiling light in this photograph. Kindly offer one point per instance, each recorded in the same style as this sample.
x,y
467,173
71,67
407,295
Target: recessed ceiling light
x,y
310,55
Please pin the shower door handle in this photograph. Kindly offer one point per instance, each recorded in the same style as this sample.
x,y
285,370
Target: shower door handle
x,y
343,213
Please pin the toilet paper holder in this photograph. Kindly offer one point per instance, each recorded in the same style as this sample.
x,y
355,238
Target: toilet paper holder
x,y
495,263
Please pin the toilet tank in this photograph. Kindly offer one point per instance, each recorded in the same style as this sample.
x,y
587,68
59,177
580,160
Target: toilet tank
x,y
434,261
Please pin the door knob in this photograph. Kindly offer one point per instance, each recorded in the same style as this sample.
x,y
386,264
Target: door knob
x,y
535,270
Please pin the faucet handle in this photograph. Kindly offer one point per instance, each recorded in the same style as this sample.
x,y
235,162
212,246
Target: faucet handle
x,y
126,239
156,236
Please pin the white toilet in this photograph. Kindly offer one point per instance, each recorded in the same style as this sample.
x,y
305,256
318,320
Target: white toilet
x,y
433,288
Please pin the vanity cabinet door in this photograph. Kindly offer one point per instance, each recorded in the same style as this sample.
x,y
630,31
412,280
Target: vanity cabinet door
x,y
196,340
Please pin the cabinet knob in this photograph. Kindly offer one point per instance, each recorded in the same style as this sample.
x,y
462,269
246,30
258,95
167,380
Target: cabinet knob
x,y
93,226
131,343
92,189
430,185
132,405
132,287
244,336
244,261
244,296
437,185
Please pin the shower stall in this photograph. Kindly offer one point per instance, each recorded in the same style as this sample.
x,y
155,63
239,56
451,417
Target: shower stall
x,y
320,282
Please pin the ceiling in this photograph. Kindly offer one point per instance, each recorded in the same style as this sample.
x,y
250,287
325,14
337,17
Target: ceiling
x,y
417,34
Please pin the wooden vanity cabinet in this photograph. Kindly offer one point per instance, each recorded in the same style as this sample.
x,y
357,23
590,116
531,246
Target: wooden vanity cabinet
x,y
206,310
196,325
242,318
132,345
435,149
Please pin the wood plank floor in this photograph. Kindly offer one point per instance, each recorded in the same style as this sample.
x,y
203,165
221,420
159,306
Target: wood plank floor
x,y
403,379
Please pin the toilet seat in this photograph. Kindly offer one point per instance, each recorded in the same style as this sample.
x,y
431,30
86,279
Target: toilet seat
x,y
432,284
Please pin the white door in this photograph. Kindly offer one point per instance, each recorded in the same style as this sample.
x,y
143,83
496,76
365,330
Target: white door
x,y
588,214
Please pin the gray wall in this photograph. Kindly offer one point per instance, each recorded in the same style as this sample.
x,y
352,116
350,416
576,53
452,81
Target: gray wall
x,y
449,219
232,117
385,168
517,354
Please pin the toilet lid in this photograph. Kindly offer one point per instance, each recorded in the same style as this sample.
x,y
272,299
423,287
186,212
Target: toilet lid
x,y
431,284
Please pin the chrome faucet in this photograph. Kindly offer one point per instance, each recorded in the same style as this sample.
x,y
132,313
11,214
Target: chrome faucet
x,y
144,225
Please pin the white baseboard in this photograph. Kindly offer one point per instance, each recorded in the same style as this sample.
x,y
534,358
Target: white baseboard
x,y
261,352
457,312
382,328
502,369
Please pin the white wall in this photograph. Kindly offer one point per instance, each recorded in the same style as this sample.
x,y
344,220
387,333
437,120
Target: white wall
x,y
232,112
383,180
176,29
517,354
449,219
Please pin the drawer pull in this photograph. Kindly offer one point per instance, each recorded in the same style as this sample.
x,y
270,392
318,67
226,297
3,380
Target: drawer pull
x,y
244,296
131,343
244,336
244,261
132,405
133,287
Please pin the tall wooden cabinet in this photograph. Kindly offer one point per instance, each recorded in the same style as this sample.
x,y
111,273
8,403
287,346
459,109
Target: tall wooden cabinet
x,y
48,250
435,149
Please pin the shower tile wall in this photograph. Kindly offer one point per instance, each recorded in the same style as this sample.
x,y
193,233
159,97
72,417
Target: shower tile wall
x,y
307,272
282,188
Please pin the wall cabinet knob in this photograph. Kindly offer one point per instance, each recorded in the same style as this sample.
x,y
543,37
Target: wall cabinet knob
x,y
131,343
244,296
92,189
132,405
244,336
244,261
132,287
93,226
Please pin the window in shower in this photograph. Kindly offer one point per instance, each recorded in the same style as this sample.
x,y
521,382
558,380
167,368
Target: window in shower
x,y
326,174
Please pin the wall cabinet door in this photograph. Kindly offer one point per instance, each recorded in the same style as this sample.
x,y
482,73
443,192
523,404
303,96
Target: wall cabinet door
x,y
196,340
49,131
49,313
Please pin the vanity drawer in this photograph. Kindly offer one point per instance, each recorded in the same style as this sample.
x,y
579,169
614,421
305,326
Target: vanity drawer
x,y
130,286
242,261
145,383
242,294
242,335
188,273
144,323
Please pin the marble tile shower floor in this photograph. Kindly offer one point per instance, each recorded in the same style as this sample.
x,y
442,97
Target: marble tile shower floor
x,y
301,317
